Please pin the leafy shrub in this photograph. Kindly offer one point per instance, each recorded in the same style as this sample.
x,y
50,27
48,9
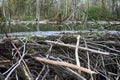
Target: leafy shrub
x,y
94,12
97,13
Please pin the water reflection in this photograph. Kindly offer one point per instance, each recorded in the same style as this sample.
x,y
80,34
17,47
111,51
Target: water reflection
x,y
10,28
33,27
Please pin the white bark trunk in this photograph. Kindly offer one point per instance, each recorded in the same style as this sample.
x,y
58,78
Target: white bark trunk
x,y
38,10
3,8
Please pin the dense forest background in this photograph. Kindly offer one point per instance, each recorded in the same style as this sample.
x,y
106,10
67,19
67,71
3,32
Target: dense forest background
x,y
69,9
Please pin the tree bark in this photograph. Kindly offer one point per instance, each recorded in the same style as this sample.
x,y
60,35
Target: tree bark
x,y
3,8
38,10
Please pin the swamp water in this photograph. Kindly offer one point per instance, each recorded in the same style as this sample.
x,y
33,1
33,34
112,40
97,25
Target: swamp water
x,y
54,29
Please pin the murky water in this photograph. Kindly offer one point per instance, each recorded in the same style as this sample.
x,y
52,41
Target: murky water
x,y
52,29
48,33
39,27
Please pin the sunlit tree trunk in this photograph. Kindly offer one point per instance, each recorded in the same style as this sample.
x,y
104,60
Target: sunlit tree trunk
x,y
59,5
9,10
85,11
73,9
3,8
38,10
30,8
66,8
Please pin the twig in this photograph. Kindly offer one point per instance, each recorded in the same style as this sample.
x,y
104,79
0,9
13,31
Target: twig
x,y
40,73
43,78
78,75
16,75
24,63
73,46
88,58
18,63
104,46
76,51
64,64
10,68
4,61
103,65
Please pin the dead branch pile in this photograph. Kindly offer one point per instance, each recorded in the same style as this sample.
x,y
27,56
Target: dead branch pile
x,y
63,57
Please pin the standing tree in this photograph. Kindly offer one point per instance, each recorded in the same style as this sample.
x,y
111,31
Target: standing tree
x,y
3,8
38,10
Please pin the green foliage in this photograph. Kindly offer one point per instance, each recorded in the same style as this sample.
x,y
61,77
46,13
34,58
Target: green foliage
x,y
24,18
18,7
29,38
98,13
26,10
31,18
94,12
42,17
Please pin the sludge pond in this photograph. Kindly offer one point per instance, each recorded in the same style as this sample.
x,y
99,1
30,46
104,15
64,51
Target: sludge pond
x,y
59,52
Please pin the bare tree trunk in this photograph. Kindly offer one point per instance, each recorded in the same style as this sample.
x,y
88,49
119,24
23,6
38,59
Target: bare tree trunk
x,y
59,6
113,6
3,8
117,8
9,10
103,5
38,10
30,8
